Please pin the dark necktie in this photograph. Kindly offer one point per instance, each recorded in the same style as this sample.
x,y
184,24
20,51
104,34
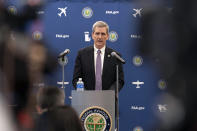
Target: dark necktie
x,y
98,71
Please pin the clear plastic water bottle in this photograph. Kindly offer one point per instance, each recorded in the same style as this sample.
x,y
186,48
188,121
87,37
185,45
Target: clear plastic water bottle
x,y
80,85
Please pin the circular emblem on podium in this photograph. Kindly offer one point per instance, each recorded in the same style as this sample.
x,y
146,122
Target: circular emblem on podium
x,y
138,128
96,119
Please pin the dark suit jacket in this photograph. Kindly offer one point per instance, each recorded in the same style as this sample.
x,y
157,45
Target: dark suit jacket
x,y
84,68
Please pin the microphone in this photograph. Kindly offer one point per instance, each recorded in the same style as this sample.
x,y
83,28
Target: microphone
x,y
66,51
118,57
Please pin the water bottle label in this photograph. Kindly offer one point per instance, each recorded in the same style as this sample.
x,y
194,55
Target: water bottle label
x,y
79,85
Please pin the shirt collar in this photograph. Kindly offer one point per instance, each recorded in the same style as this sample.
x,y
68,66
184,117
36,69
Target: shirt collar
x,y
102,49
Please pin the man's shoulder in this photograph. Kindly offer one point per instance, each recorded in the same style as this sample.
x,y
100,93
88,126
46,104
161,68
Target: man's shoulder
x,y
108,49
86,49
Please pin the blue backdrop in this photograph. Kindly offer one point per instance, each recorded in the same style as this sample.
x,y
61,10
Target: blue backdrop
x,y
73,30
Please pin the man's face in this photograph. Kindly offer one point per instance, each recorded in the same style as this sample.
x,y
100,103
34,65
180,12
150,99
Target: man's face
x,y
100,35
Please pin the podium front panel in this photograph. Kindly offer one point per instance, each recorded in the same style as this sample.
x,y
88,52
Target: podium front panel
x,y
83,100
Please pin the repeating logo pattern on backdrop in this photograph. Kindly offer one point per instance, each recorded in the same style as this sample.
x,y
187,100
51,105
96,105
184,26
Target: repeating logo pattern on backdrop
x,y
113,36
112,12
138,83
137,60
12,10
87,12
139,108
133,36
62,11
37,35
162,84
162,108
96,119
62,36
87,37
40,12
137,12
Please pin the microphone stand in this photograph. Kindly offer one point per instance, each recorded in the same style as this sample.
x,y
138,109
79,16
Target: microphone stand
x,y
63,73
117,89
63,61
117,98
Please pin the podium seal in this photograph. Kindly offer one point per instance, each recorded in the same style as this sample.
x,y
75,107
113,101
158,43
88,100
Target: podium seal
x,y
96,119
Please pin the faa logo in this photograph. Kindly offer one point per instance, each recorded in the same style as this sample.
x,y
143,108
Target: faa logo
x,y
87,12
113,36
12,10
96,119
137,60
37,35
162,84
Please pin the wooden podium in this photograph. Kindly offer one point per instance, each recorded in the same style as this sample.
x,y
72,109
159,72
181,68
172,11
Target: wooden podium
x,y
95,108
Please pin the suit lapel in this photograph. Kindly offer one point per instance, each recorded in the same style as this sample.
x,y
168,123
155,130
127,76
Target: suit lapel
x,y
92,68
106,61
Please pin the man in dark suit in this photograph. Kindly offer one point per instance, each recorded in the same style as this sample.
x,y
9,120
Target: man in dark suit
x,y
86,64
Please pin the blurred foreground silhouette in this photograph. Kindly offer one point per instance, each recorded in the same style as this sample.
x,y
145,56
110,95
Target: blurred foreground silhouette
x,y
23,60
169,41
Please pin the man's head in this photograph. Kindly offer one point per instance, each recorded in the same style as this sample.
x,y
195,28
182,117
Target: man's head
x,y
49,97
100,34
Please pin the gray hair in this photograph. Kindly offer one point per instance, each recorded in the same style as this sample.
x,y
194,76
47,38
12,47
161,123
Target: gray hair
x,y
100,24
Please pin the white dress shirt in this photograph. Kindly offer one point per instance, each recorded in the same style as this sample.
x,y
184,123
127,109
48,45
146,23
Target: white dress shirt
x,y
102,57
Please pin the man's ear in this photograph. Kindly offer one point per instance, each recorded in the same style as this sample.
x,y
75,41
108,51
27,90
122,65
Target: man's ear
x,y
107,36
92,34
